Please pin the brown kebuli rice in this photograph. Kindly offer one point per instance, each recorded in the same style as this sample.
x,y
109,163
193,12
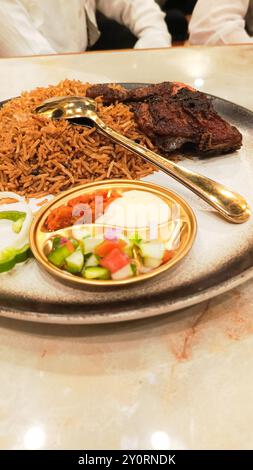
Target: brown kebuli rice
x,y
39,156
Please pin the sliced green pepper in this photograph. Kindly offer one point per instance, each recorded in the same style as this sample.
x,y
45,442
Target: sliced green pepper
x,y
23,254
7,259
17,226
12,215
17,217
10,257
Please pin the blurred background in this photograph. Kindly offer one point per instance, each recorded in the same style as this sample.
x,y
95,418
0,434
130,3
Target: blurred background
x,y
115,36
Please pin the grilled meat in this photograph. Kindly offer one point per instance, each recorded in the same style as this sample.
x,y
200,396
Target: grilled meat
x,y
175,117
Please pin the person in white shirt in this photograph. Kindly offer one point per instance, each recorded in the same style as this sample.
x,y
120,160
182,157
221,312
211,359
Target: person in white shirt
x,y
29,27
222,22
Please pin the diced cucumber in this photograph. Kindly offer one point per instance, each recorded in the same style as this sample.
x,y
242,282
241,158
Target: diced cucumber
x,y
123,273
74,262
89,244
92,261
96,273
152,250
58,256
151,263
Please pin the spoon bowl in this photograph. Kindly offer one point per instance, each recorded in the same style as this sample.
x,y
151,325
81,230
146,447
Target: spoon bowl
x,y
66,107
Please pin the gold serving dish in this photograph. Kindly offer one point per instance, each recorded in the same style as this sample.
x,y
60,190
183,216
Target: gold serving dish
x,y
177,232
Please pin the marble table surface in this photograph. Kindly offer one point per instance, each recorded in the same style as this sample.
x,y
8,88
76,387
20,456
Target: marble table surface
x,y
180,381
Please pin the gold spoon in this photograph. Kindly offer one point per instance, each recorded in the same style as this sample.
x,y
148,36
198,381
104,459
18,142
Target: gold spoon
x,y
229,204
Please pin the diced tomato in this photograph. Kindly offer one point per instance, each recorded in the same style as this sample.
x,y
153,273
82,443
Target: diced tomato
x,y
167,256
115,260
108,245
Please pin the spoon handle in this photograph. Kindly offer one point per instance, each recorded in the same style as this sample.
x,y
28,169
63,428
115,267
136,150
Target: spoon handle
x,y
229,204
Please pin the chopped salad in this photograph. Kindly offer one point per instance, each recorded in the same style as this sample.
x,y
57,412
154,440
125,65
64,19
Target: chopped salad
x,y
107,258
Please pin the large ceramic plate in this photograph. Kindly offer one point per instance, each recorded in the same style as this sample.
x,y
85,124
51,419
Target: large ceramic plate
x,y
222,256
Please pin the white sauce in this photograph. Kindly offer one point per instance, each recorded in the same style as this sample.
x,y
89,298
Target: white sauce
x,y
136,209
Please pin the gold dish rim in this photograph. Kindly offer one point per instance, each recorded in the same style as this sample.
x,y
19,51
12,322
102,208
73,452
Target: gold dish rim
x,y
149,186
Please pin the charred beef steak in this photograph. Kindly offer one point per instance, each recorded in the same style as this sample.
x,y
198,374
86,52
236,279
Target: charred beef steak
x,y
175,117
